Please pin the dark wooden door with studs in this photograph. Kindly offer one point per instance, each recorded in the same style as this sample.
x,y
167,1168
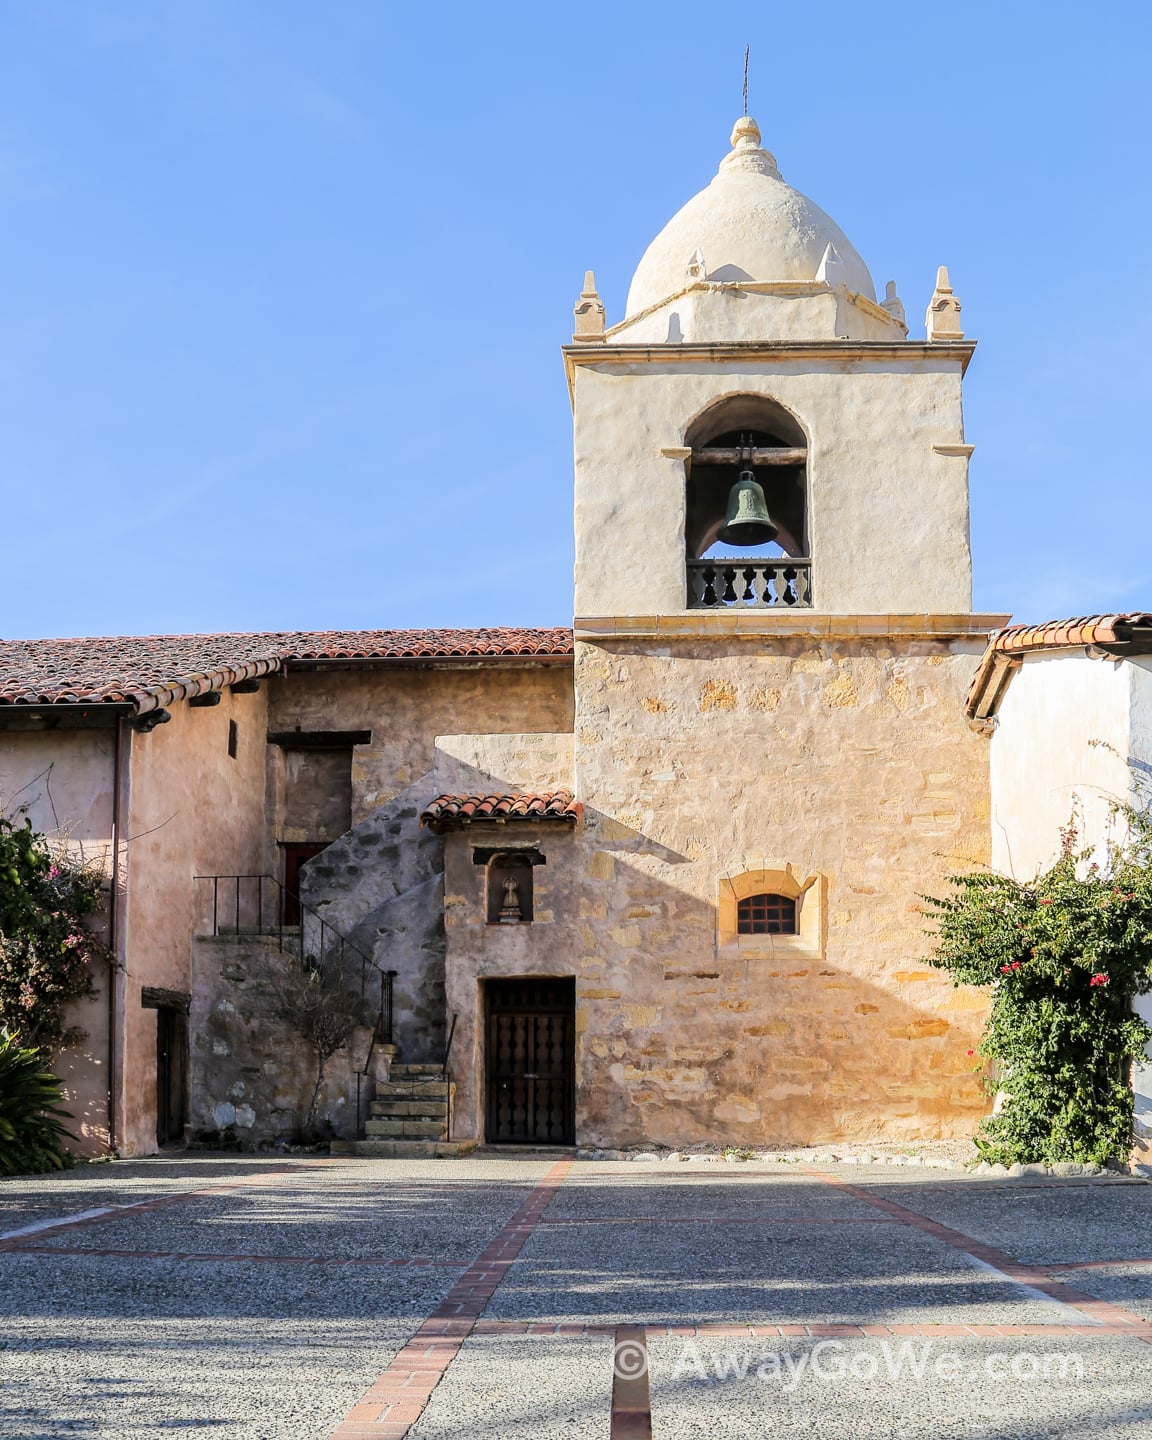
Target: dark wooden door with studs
x,y
531,1060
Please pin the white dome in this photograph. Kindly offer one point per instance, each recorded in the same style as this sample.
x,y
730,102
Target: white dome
x,y
746,225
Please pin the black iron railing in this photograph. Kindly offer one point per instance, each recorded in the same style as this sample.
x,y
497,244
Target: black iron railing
x,y
255,905
446,1076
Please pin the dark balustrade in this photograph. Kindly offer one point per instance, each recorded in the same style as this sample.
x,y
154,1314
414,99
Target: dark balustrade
x,y
741,582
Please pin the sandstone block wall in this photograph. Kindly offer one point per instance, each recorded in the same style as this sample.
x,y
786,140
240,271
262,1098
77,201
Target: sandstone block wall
x,y
847,759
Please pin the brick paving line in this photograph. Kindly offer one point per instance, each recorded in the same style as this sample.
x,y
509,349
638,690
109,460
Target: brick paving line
x,y
923,1330
710,1220
394,1402
14,1239
631,1400
1097,1310
1142,1262
204,1255
744,1171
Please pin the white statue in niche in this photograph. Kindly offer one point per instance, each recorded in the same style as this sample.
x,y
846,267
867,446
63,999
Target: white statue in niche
x,y
510,911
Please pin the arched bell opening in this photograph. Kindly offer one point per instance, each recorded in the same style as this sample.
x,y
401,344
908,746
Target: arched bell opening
x,y
746,513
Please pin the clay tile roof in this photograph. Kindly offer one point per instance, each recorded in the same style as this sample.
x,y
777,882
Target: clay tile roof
x,y
1007,646
150,671
425,644
452,811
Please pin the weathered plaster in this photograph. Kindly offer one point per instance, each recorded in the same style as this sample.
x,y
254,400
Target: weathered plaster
x,y
193,811
251,1074
888,514
62,781
1061,747
407,708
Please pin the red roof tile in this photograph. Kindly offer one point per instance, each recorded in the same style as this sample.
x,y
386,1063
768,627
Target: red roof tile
x,y
450,811
1006,647
148,671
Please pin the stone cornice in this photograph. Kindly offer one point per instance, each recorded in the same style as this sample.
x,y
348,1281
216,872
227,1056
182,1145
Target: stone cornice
x,y
781,624
693,352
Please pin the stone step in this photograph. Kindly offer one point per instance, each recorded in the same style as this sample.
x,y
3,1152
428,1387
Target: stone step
x,y
412,1109
410,1149
397,1090
416,1072
393,1129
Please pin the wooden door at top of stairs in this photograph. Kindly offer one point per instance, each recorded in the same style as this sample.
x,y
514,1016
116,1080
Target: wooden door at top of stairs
x,y
531,1062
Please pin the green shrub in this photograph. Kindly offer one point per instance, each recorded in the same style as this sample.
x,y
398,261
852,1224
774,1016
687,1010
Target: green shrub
x,y
1063,956
48,954
31,1133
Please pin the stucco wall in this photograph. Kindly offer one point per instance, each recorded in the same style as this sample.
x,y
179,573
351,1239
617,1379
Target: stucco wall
x,y
888,515
194,810
62,781
1060,747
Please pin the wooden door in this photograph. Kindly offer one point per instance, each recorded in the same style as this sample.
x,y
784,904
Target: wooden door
x,y
294,857
531,1062
171,1074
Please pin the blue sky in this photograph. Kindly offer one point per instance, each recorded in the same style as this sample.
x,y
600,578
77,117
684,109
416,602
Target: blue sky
x,y
283,285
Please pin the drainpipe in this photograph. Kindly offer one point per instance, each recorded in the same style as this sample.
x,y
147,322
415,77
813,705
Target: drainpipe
x,y
115,937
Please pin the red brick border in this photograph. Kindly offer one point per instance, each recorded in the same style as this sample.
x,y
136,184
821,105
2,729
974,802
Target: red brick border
x,y
923,1331
709,1220
631,1401
1142,1262
395,1401
1103,1312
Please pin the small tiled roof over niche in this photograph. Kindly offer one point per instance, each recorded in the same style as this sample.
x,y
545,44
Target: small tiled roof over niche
x,y
146,671
448,812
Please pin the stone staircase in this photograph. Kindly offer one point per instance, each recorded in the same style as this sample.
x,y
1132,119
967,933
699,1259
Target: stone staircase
x,y
409,1117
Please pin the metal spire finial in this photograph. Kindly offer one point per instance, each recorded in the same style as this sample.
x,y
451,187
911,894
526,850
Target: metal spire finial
x,y
746,49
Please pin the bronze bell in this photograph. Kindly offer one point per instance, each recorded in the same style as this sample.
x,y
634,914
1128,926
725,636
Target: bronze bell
x,y
747,521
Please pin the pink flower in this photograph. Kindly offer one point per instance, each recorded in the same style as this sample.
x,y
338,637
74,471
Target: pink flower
x,y
1097,980
1046,902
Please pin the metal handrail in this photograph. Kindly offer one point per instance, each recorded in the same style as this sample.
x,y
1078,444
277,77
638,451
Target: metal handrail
x,y
444,1077
279,927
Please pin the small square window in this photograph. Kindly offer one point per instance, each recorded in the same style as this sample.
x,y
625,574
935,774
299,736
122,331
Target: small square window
x,y
766,915
233,738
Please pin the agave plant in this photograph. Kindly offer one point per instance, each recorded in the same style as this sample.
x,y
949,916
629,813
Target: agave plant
x,y
31,1131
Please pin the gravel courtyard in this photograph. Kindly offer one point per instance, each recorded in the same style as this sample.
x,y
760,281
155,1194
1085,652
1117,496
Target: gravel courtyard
x,y
297,1299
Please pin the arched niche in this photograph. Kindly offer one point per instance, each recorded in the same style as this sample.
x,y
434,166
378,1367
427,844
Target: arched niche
x,y
726,426
515,865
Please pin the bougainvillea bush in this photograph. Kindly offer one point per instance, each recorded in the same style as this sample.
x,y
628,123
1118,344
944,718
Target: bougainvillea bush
x,y
1063,957
48,953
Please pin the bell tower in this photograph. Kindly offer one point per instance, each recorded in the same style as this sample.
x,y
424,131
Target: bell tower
x,y
772,648
758,435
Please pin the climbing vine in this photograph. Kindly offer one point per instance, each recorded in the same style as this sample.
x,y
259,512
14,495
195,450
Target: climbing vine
x,y
48,953
1063,956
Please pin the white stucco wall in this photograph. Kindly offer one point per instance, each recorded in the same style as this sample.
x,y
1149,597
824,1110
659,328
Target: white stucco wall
x,y
888,516
1061,744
